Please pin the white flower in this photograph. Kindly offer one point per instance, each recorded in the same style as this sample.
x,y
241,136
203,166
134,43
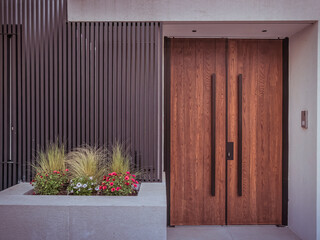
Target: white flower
x,y
75,187
92,183
90,189
84,185
90,178
71,191
97,188
79,185
71,180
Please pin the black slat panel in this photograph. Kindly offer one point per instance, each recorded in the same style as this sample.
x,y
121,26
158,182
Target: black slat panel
x,y
78,83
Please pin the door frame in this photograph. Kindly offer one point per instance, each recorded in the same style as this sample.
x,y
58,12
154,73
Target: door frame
x,y
285,130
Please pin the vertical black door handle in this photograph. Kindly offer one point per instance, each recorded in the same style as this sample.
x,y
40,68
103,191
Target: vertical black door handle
x,y
213,135
240,135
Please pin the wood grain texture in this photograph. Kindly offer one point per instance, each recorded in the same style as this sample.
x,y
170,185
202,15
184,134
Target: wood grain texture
x,y
193,61
192,64
260,63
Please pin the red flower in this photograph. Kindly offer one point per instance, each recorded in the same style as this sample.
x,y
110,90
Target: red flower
x,y
114,174
126,178
135,185
67,170
58,172
128,172
33,193
127,183
40,176
104,187
100,187
118,188
31,182
110,174
103,183
133,180
53,171
111,184
112,189
133,175
46,175
113,179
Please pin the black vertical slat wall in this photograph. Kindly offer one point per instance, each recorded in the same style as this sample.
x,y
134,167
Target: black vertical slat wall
x,y
77,83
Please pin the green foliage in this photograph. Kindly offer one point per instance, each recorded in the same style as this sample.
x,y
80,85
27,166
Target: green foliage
x,y
87,162
118,159
50,183
82,186
122,184
52,159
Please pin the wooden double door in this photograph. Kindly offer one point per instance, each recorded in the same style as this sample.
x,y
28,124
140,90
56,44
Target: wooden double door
x,y
225,131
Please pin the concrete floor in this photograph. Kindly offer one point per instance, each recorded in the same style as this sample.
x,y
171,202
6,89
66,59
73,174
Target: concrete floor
x,y
230,233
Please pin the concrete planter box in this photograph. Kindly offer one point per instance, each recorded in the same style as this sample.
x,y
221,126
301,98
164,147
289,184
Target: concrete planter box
x,y
81,217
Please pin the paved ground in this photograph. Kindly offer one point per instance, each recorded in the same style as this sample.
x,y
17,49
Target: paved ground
x,y
230,233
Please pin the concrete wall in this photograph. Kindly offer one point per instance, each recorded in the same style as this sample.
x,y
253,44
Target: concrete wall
x,y
191,10
303,143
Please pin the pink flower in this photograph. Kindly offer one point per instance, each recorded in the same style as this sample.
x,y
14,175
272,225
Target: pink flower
x,y
137,182
114,174
110,174
128,172
58,172
126,178
104,187
135,185
111,184
133,175
53,171
103,183
118,188
100,187
67,170
40,176
127,183
112,189
133,180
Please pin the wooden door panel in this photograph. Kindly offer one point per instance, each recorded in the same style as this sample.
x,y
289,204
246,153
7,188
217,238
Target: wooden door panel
x,y
214,62
260,63
193,61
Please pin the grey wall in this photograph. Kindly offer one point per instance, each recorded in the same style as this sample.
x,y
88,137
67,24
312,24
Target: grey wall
x,y
191,10
303,143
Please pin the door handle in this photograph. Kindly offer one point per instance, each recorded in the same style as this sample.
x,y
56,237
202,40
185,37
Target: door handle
x,y
213,134
240,135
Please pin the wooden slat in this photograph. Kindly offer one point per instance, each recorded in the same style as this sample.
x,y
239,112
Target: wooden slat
x,y
2,37
19,105
101,100
91,85
14,92
78,84
110,84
